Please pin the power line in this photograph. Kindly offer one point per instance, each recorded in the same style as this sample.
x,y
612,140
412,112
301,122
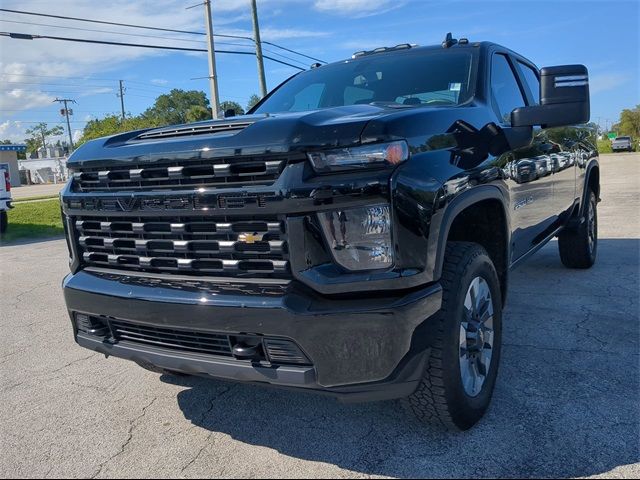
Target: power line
x,y
293,51
57,84
146,27
149,84
146,88
63,17
27,36
272,52
93,30
102,31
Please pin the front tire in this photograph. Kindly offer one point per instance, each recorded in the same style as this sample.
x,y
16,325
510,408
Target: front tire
x,y
579,246
458,382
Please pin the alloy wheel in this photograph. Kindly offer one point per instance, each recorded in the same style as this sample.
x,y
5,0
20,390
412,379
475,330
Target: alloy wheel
x,y
476,336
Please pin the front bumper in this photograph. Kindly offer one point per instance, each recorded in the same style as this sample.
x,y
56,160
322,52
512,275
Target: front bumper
x,y
362,347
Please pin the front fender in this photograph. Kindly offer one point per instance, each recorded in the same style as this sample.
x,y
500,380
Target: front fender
x,y
444,218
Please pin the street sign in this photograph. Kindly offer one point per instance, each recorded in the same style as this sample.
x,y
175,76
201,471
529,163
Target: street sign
x,y
612,136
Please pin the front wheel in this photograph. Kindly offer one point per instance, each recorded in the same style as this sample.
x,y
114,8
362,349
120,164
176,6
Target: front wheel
x,y
458,382
579,245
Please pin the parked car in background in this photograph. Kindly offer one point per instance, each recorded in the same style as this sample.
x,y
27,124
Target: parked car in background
x,y
621,144
526,171
542,165
5,199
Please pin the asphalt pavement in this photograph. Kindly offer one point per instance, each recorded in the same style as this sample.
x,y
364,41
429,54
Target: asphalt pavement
x,y
566,402
26,191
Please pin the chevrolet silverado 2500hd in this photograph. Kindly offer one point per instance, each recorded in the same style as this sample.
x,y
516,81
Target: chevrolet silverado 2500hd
x,y
352,235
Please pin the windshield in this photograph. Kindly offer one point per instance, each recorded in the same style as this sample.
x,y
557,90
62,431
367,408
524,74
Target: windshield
x,y
623,138
409,78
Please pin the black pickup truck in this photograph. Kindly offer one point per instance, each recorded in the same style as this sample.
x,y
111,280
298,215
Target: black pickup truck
x,y
352,235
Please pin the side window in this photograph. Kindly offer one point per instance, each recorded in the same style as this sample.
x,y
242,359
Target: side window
x,y
308,98
504,86
531,77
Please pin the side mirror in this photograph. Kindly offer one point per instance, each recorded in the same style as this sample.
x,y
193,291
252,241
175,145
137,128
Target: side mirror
x,y
229,112
564,99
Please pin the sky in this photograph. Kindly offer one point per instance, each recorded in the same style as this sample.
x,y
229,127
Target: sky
x,y
603,35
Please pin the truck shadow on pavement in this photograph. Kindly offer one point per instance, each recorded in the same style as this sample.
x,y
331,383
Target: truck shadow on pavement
x,y
565,404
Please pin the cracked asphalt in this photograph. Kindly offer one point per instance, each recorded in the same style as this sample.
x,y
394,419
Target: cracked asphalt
x,y
566,402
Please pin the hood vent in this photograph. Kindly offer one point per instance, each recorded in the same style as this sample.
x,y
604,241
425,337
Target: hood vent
x,y
195,129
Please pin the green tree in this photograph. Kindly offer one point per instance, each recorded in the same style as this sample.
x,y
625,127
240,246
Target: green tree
x,y
172,108
235,106
38,135
253,100
112,124
629,123
198,113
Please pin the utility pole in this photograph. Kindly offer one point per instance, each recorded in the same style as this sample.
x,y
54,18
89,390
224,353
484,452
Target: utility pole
x,y
213,79
256,39
121,95
66,113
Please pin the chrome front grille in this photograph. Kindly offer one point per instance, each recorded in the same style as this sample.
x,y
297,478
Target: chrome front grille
x,y
242,171
239,247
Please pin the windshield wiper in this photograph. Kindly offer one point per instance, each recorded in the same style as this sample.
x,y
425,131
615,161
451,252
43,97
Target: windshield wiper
x,y
390,104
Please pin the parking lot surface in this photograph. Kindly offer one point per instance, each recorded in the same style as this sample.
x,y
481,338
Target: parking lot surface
x,y
566,402
26,191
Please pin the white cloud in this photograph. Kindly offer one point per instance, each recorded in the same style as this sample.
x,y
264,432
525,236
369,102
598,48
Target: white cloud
x,y
11,131
270,33
14,130
22,99
357,8
159,81
606,81
34,72
280,33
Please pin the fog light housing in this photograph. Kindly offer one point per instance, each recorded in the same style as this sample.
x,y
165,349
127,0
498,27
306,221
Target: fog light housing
x,y
359,238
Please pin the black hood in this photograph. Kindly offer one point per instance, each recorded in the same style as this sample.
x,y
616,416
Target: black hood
x,y
242,135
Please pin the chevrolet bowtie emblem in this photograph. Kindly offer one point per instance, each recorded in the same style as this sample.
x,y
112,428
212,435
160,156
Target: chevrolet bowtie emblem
x,y
250,237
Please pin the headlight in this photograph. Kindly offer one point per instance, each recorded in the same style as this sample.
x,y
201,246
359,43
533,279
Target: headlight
x,y
358,157
359,238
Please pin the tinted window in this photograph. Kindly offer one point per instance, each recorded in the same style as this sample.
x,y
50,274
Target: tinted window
x,y
506,91
411,78
532,81
354,95
308,98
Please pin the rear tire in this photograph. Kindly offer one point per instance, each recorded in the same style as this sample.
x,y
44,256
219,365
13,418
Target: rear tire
x,y
461,343
579,246
4,221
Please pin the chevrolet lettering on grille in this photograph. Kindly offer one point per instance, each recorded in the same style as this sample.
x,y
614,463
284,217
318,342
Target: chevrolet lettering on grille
x,y
201,202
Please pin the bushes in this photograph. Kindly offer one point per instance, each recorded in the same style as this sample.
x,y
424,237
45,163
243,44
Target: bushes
x,y
604,146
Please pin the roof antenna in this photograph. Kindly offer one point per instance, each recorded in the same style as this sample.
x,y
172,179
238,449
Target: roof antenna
x,y
449,41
